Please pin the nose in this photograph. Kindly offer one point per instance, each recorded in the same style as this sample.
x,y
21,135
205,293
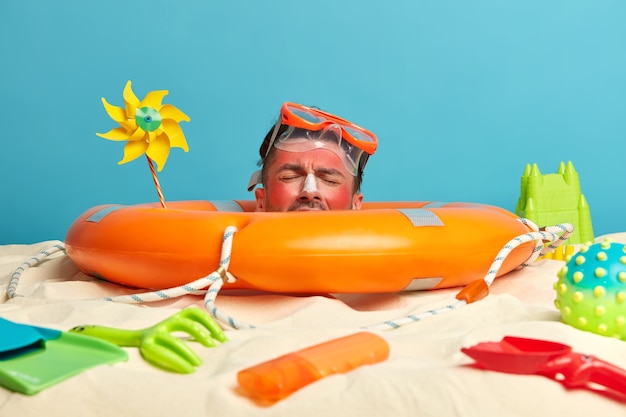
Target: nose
x,y
309,189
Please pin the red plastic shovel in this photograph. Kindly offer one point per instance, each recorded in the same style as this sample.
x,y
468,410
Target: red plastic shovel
x,y
518,355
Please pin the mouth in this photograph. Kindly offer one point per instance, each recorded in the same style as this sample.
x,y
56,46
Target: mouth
x,y
308,206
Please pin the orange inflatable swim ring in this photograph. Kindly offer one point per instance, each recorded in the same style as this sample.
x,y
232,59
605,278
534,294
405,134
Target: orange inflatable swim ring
x,y
385,247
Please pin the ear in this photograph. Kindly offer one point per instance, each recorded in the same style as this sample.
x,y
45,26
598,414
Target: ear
x,y
259,195
357,201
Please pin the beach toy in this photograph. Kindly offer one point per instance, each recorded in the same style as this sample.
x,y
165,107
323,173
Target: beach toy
x,y
33,358
591,289
146,246
555,198
280,377
517,355
156,343
149,127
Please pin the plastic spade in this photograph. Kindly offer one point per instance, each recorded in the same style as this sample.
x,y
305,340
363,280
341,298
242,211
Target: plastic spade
x,y
518,355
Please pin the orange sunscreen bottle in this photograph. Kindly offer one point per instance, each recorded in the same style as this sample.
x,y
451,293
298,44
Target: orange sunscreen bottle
x,y
282,376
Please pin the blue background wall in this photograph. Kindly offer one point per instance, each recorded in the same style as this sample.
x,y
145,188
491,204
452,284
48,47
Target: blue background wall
x,y
461,94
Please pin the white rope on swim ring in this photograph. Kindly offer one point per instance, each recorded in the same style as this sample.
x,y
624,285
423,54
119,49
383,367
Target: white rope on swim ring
x,y
34,261
216,286
209,285
197,287
555,235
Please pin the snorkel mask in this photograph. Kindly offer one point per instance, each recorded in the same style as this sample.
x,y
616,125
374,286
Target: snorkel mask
x,y
304,128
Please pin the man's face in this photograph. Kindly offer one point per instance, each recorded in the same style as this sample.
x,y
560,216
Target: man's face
x,y
310,180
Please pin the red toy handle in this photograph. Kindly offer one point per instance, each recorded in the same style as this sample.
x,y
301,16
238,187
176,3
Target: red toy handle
x,y
608,375
579,370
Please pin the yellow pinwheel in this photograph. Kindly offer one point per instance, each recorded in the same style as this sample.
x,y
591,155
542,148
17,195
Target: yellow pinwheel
x,y
150,127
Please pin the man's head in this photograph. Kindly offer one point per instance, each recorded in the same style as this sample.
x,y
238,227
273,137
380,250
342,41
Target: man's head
x,y
311,160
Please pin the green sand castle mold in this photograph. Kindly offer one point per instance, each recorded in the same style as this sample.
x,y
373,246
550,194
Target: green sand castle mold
x,y
555,198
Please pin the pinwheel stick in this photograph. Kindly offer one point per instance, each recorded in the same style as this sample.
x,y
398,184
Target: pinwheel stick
x,y
156,182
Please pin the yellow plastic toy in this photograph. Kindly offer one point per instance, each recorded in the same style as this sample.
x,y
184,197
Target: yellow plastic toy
x,y
150,127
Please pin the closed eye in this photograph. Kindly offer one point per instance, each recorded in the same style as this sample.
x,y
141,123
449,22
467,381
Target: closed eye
x,y
287,177
330,176
332,181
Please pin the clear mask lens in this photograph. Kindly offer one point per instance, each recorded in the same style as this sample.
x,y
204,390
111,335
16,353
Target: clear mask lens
x,y
305,115
300,140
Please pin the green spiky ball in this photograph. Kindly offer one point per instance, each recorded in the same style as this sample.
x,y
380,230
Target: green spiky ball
x,y
591,289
